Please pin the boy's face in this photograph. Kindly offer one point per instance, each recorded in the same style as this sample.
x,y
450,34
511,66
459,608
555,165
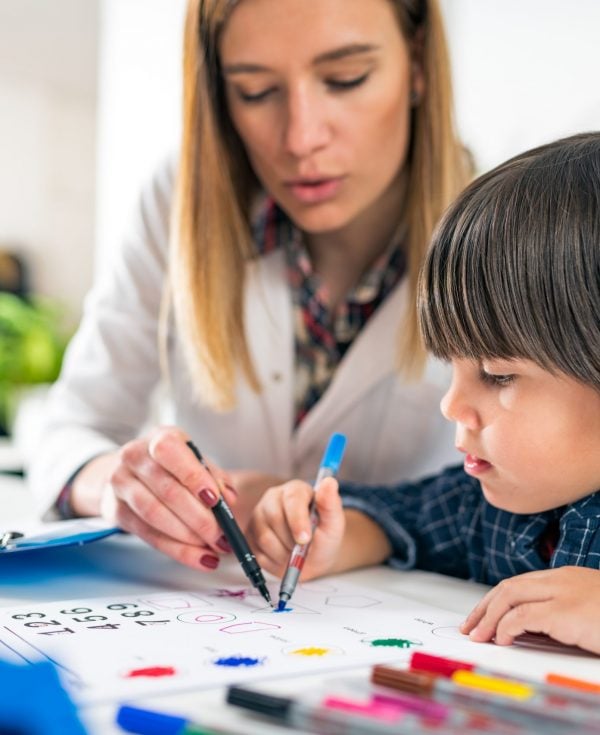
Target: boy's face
x,y
531,438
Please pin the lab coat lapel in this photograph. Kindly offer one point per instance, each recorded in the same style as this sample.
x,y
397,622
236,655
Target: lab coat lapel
x,y
269,325
371,357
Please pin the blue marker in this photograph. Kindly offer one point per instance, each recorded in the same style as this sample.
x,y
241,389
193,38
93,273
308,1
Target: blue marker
x,y
330,465
147,722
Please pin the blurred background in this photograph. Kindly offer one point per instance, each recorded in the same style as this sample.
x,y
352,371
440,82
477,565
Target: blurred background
x,y
90,98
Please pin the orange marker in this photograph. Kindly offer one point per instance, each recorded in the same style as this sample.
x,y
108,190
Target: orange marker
x,y
579,684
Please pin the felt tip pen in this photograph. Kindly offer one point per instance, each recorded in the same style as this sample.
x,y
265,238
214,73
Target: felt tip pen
x,y
553,686
321,718
234,536
503,699
148,722
330,464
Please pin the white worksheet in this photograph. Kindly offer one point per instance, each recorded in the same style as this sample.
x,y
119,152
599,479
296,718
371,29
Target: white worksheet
x,y
127,646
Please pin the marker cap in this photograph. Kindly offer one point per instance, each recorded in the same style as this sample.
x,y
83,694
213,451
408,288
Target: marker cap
x,y
334,453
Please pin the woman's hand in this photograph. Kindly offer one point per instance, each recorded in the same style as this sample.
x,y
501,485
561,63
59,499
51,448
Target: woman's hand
x,y
157,489
281,520
563,603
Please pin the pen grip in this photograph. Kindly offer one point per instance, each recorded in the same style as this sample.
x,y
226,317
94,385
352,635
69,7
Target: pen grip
x,y
232,532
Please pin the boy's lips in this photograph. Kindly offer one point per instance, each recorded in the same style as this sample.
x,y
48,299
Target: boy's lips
x,y
475,465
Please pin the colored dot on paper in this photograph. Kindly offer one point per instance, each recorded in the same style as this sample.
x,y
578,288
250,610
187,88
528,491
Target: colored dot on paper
x,y
312,651
234,661
392,642
151,671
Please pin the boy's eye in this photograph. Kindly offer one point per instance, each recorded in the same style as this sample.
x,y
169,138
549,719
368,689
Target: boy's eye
x,y
497,380
344,84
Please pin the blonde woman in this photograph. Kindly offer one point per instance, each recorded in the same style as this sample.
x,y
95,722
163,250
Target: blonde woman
x,y
269,277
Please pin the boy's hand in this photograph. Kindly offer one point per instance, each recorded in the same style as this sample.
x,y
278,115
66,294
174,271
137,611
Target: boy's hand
x,y
563,603
281,519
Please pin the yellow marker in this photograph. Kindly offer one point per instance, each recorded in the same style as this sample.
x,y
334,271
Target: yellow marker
x,y
492,685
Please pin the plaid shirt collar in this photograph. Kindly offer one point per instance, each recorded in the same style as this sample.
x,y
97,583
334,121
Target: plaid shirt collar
x,y
322,336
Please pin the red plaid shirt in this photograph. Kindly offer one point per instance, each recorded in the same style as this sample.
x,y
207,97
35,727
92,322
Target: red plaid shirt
x,y
322,335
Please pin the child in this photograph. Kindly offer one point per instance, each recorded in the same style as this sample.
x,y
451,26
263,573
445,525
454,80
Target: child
x,y
510,294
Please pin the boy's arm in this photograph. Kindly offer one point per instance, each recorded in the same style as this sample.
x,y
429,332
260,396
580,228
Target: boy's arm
x,y
430,524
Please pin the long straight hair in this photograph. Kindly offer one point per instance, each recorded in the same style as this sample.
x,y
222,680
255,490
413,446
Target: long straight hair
x,y
514,266
211,241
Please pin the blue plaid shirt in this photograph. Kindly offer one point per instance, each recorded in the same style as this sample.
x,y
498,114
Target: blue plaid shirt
x,y
444,524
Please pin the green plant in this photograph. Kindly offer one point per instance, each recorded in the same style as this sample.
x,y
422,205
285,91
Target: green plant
x,y
32,344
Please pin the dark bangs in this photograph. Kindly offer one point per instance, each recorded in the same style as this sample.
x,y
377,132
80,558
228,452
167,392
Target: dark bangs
x,y
513,270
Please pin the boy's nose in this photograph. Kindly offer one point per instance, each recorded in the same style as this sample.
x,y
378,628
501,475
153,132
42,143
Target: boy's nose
x,y
455,407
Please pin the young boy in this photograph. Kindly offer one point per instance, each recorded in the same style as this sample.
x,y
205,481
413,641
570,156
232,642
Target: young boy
x,y
510,294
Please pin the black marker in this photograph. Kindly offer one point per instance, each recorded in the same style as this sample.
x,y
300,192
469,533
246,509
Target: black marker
x,y
235,537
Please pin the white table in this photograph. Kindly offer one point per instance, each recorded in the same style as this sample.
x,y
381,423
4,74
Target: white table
x,y
123,564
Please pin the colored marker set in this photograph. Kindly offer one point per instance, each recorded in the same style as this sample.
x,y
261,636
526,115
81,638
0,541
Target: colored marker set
x,y
435,695
521,705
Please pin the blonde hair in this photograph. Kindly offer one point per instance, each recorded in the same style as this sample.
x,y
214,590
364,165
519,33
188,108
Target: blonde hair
x,y
211,230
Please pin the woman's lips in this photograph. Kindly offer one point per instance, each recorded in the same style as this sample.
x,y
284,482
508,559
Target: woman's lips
x,y
476,466
314,191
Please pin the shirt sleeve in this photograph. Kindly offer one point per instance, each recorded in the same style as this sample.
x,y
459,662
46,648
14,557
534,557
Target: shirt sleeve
x,y
428,523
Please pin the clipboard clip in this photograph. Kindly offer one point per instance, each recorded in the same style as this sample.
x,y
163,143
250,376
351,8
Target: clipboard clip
x,y
8,536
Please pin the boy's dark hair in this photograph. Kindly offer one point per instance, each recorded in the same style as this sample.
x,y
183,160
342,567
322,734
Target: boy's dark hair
x,y
513,270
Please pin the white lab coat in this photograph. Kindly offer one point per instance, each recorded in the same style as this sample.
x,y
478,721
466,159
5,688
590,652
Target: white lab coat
x,y
394,429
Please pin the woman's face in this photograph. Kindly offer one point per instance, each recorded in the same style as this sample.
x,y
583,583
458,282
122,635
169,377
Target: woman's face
x,y
319,93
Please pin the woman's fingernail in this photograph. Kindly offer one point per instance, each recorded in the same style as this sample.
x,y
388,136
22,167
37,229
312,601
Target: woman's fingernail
x,y
224,544
212,562
208,497
303,538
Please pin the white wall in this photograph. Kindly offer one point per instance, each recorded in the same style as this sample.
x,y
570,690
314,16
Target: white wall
x,y
48,61
525,72
140,101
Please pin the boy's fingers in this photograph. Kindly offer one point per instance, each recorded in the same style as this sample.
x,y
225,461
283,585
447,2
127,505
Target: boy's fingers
x,y
329,504
509,594
296,499
530,617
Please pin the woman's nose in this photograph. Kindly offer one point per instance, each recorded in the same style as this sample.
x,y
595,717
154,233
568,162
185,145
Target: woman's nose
x,y
307,129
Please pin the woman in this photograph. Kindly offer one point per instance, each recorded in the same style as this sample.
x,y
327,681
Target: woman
x,y
317,153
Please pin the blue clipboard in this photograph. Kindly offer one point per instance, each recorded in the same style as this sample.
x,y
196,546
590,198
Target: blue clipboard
x,y
74,532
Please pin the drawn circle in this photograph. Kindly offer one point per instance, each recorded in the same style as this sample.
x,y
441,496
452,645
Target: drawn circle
x,y
312,651
389,642
208,617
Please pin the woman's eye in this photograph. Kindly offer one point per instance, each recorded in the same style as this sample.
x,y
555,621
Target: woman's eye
x,y
343,84
251,97
497,380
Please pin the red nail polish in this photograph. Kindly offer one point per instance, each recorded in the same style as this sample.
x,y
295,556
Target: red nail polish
x,y
212,562
208,497
224,545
